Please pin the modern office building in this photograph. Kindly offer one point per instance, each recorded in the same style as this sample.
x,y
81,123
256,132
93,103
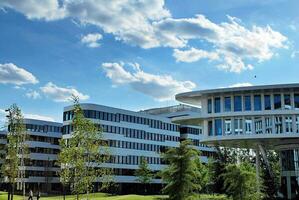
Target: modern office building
x,y
133,135
41,170
130,136
256,117
190,132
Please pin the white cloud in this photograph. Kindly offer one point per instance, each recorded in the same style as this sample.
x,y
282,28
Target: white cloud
x,y
231,41
92,40
193,54
39,117
241,85
10,73
160,87
32,94
149,24
294,54
36,9
61,94
293,27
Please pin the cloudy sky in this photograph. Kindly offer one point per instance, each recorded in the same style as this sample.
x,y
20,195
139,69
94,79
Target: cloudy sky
x,y
136,54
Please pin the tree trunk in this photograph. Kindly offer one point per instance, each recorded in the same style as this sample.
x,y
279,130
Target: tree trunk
x,y
13,191
63,188
9,191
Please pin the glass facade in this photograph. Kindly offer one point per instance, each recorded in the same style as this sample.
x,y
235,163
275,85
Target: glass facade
x,y
247,103
257,103
237,103
238,125
248,126
228,127
210,128
227,104
209,105
267,102
278,125
288,124
277,101
217,105
218,127
287,101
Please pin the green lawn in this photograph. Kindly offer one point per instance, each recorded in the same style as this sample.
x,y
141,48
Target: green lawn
x,y
103,196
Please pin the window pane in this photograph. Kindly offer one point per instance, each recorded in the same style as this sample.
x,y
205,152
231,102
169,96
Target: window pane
x,y
267,100
247,103
217,104
237,103
287,101
218,127
257,102
227,104
209,105
210,128
277,101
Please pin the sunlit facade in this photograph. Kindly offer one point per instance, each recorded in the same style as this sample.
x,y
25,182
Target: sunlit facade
x,y
257,117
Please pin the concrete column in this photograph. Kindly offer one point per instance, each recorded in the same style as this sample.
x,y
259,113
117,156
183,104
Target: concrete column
x,y
257,167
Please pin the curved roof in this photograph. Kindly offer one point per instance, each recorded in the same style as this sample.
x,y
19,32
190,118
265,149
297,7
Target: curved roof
x,y
195,96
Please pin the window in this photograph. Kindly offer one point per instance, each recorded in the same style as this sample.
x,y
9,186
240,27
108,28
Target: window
x,y
267,102
278,125
288,124
218,127
277,101
247,102
237,103
227,124
227,104
287,101
209,105
268,124
210,128
297,124
238,123
248,126
257,102
258,124
217,106
296,101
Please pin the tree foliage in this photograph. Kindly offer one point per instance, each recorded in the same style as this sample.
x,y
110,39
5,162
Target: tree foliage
x,y
240,182
82,155
143,173
16,149
182,175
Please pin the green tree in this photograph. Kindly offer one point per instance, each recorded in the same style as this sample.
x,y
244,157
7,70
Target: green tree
x,y
181,176
143,173
83,154
270,182
16,150
240,182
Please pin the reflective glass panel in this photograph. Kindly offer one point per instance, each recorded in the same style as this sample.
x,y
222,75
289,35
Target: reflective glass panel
x,y
218,127
217,106
247,103
257,102
267,101
237,103
227,104
277,101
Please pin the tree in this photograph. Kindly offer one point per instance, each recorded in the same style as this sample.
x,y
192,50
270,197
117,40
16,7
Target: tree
x,y
270,182
240,182
82,154
181,176
16,150
143,173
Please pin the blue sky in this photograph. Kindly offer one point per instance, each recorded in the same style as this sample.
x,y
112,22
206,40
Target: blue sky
x,y
138,54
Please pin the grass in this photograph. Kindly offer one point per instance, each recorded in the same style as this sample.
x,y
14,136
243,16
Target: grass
x,y
103,196
93,196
